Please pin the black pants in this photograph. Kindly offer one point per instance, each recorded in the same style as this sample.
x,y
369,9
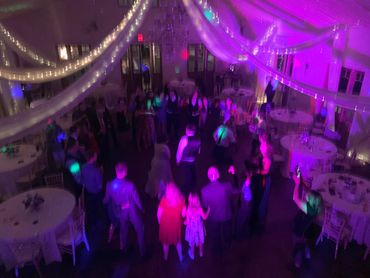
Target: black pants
x,y
219,234
190,178
173,122
94,207
222,155
243,218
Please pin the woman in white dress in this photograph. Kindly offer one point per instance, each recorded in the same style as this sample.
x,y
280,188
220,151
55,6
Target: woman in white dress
x,y
160,173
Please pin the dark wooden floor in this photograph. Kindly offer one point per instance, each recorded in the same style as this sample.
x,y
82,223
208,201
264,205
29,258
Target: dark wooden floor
x,y
268,254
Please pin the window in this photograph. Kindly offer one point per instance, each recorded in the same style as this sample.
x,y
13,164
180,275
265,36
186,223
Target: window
x,y
71,51
210,62
358,83
285,63
200,59
125,64
125,3
344,79
129,3
191,58
156,58
350,81
135,54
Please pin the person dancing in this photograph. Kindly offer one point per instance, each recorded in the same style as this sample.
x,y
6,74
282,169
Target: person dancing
x,y
170,212
187,152
195,233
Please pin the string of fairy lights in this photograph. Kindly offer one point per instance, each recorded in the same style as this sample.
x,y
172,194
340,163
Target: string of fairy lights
x,y
255,47
15,127
21,48
70,67
234,51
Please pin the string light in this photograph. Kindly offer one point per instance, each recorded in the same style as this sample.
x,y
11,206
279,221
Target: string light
x,y
232,52
324,36
22,49
65,69
14,127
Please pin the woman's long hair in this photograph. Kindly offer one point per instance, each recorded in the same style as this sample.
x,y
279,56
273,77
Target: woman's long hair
x,y
173,194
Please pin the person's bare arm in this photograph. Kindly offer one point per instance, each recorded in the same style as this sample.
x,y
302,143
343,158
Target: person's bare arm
x,y
182,144
296,198
204,215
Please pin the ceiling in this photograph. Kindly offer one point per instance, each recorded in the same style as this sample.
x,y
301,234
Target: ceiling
x,y
323,13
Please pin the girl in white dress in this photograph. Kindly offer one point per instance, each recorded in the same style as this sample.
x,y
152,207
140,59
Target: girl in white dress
x,y
195,233
160,173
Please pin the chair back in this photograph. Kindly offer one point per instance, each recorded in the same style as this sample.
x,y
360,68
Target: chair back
x,y
81,200
77,225
24,252
334,223
54,180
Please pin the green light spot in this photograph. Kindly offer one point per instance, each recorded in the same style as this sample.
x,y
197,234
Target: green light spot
x,y
157,102
74,168
208,14
222,133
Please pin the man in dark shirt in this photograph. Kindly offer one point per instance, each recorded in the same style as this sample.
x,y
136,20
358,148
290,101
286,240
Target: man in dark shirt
x,y
218,197
92,180
55,138
127,206
187,152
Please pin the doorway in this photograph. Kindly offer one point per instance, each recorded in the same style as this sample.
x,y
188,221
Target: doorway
x,y
141,67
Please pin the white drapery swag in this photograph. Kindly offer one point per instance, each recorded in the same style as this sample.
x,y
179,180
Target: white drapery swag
x,y
30,121
229,49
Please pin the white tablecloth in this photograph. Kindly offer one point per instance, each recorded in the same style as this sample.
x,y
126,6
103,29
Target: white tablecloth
x,y
243,97
286,121
183,88
356,205
20,225
13,168
315,158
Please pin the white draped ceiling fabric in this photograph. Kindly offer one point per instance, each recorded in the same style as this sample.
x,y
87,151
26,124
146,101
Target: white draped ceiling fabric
x,y
14,127
64,69
221,40
225,44
21,48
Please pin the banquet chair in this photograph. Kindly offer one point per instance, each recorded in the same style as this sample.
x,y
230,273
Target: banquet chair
x,y
366,252
81,200
27,182
335,228
74,235
342,163
26,253
54,180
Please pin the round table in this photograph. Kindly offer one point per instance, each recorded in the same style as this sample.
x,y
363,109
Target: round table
x,y
243,97
315,157
183,88
286,121
335,188
11,168
21,225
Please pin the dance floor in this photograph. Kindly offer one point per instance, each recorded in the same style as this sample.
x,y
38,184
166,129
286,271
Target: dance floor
x,y
267,253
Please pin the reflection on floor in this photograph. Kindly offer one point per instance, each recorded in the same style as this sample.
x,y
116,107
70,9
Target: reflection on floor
x,y
267,254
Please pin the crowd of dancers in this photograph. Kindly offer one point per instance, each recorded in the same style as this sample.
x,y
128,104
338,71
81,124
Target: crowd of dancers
x,y
226,210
